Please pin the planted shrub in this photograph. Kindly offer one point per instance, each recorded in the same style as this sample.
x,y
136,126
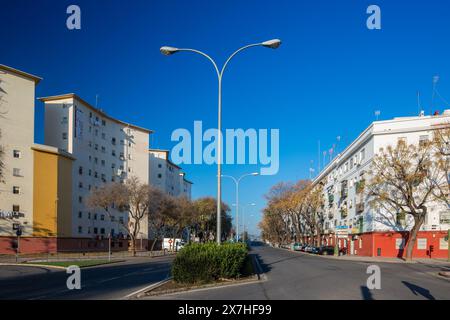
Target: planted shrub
x,y
207,262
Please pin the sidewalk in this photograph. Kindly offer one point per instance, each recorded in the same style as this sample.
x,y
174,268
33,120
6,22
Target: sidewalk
x,y
66,256
442,262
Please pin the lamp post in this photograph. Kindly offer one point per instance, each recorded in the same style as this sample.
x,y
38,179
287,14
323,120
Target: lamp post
x,y
243,220
273,44
236,181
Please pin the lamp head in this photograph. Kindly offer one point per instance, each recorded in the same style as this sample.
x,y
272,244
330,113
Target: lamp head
x,y
167,51
273,44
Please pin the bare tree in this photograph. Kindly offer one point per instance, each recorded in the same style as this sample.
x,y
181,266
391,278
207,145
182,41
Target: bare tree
x,y
403,181
441,146
132,197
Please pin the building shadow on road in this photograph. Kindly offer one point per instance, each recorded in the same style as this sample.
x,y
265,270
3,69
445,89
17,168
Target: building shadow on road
x,y
419,290
366,294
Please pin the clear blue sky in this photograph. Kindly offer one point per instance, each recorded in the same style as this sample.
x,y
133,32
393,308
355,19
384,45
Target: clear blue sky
x,y
327,79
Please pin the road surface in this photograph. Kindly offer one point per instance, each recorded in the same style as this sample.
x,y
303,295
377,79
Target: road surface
x,y
113,281
295,275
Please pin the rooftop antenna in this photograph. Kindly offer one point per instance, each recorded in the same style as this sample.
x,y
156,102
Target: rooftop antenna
x,y
96,101
419,107
338,138
435,81
377,114
318,154
324,158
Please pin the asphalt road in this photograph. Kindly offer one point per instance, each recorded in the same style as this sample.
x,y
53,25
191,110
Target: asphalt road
x,y
295,275
114,281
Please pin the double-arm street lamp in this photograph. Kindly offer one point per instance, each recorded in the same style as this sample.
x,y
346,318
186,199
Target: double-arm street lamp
x,y
275,43
236,181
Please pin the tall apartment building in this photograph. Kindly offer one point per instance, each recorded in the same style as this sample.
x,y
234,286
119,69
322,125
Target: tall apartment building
x,y
372,232
105,149
166,175
17,96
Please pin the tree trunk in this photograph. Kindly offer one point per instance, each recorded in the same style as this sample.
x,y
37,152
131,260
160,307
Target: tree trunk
x,y
418,221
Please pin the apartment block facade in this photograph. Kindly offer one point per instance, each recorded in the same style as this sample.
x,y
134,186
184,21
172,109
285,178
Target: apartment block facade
x,y
17,96
362,229
166,175
105,150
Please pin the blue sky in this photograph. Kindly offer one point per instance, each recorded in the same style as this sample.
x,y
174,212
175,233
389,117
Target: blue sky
x,y
327,79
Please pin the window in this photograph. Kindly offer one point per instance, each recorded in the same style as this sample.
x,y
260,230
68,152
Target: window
x,y
102,217
64,135
80,229
80,185
80,199
103,123
363,154
102,230
96,147
89,215
95,160
103,136
89,230
159,165
423,140
80,170
16,208
113,141
16,189
95,216
16,154
64,120
113,165
95,230
90,172
16,172
80,214
96,132
159,175
103,149
103,163
113,153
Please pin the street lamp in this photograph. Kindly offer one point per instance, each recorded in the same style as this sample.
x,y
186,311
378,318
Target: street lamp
x,y
167,51
236,181
243,220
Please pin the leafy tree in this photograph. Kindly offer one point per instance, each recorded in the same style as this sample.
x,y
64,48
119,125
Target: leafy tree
x,y
205,218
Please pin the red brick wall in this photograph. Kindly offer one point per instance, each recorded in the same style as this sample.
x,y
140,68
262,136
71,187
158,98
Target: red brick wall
x,y
27,245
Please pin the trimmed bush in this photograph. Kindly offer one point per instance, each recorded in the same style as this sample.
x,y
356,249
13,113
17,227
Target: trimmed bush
x,y
207,262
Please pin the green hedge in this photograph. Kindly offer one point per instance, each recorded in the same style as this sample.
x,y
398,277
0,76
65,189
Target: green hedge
x,y
206,262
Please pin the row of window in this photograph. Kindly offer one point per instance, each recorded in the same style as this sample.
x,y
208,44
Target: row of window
x,y
95,216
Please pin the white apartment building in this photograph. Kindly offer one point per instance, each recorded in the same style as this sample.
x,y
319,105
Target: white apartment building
x,y
341,178
105,150
17,96
166,175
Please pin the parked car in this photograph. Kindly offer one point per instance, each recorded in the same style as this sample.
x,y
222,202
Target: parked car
x,y
315,250
326,250
296,246
308,248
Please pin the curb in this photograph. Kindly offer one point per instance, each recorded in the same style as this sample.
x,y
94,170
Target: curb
x,y
357,260
261,275
141,292
33,265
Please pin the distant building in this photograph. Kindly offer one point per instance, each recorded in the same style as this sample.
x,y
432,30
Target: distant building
x,y
371,232
166,175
